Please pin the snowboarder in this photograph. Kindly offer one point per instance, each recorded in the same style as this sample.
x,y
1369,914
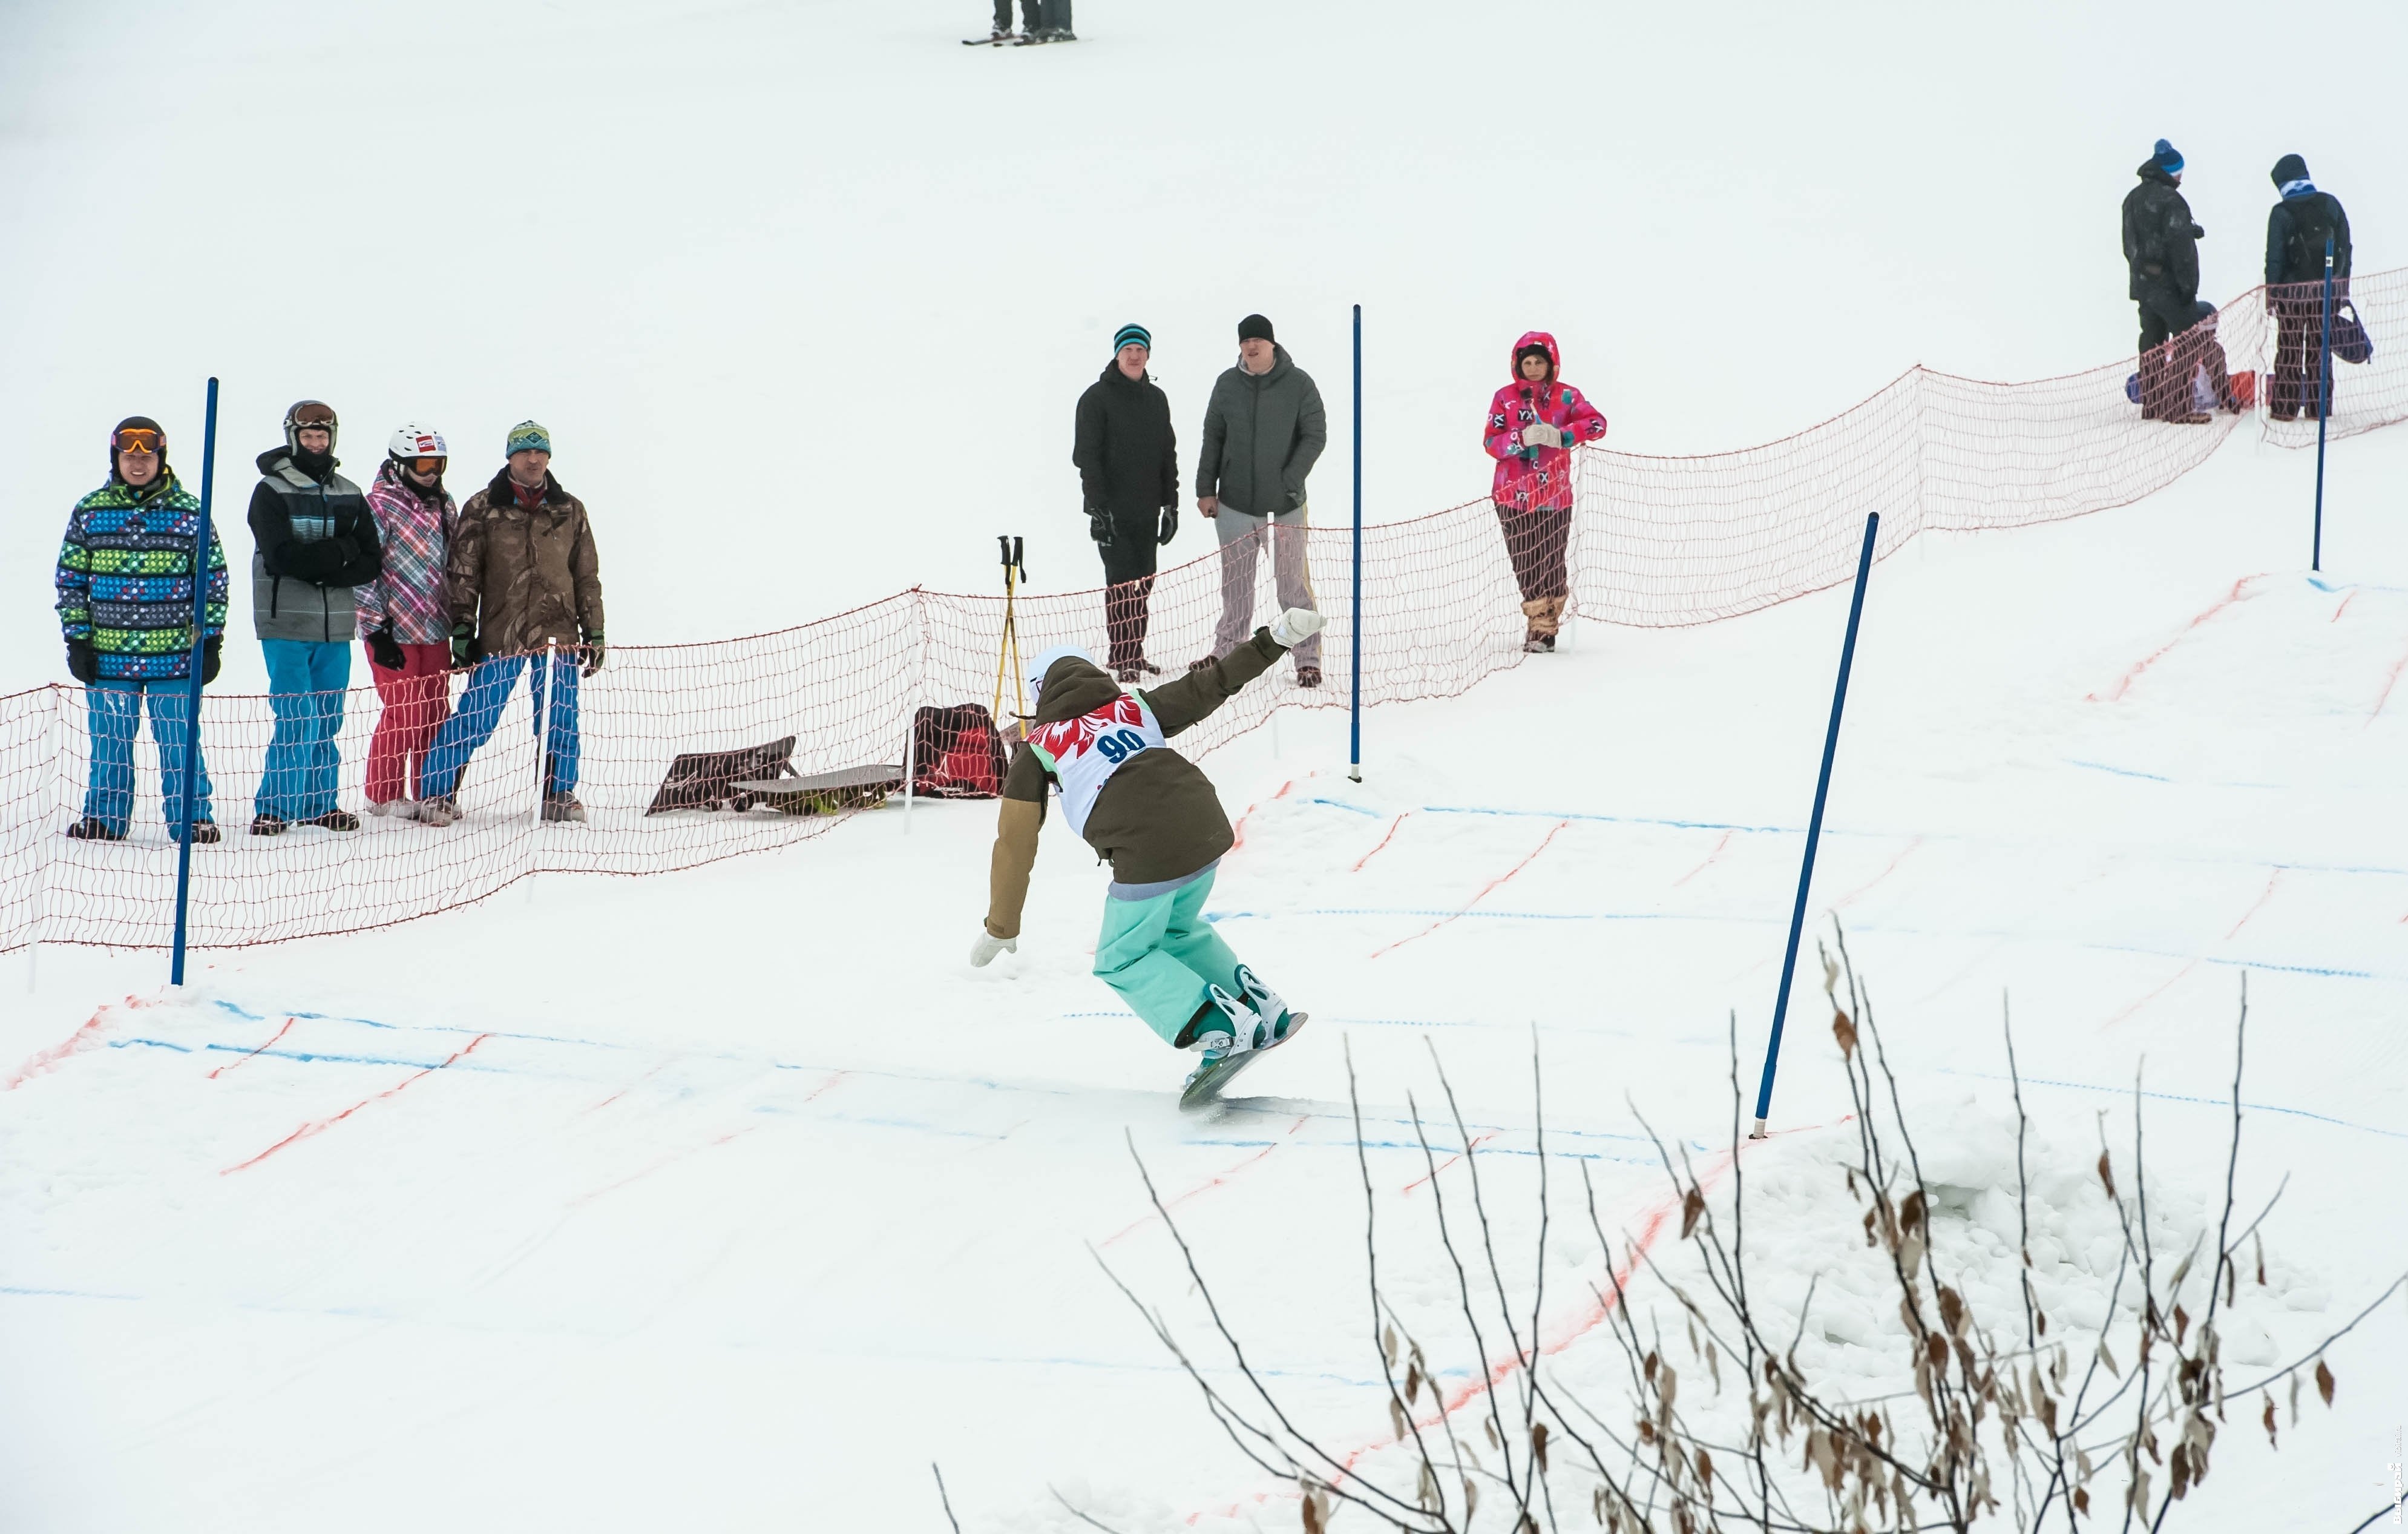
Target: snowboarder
x,y
1156,817
1532,424
2297,228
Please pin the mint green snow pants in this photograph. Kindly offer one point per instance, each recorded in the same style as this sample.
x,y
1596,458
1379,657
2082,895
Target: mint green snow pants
x,y
1160,953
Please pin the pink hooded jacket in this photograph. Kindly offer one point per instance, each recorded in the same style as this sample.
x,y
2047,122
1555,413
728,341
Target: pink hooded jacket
x,y
1537,479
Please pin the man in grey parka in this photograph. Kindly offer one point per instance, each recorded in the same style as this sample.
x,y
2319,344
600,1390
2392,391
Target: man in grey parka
x,y
1262,432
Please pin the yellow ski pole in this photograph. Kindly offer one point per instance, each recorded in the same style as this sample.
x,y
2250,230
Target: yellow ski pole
x,y
1008,657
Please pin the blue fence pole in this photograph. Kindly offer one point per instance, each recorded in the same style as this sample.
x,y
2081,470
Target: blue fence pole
x,y
193,699
1815,826
1355,626
2323,409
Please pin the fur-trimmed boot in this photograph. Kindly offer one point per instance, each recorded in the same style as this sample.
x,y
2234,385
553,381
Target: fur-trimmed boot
x,y
1542,615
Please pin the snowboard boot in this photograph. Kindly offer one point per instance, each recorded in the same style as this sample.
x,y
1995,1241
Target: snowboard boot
x,y
1223,1026
563,806
1308,676
397,808
335,820
1267,1005
266,825
441,810
204,833
93,828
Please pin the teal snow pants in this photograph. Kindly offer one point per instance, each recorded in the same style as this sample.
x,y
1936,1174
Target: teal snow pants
x,y
1160,953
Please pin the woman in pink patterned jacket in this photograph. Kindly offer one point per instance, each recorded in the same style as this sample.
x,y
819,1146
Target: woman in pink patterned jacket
x,y
404,618
1532,424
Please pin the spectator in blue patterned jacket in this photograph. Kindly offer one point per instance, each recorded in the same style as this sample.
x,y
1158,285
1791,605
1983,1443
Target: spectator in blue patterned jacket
x,y
125,606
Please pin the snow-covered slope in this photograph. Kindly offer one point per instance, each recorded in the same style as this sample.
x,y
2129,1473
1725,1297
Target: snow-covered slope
x,y
731,1199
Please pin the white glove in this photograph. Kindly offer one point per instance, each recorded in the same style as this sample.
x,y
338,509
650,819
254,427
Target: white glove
x,y
1295,625
982,951
1541,435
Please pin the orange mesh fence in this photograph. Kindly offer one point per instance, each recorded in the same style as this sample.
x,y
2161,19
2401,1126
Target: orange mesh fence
x,y
1653,541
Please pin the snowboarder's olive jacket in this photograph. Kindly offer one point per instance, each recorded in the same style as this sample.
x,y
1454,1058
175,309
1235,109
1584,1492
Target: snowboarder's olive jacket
x,y
1262,435
1156,817
314,541
2161,241
521,576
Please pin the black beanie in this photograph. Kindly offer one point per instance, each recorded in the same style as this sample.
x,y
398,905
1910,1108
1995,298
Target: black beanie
x,y
2290,167
1253,327
137,422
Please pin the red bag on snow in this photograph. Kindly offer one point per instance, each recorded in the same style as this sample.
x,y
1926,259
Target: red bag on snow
x,y
957,753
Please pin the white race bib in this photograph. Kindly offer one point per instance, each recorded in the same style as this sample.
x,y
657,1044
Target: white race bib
x,y
1083,753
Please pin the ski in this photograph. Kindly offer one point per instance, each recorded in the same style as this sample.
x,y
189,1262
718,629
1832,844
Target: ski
x,y
997,41
1205,1089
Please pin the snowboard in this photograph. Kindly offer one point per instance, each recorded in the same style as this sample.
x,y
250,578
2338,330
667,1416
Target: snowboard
x,y
1207,1088
1009,39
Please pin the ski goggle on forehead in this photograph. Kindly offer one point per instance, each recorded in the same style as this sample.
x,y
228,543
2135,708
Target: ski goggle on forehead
x,y
138,439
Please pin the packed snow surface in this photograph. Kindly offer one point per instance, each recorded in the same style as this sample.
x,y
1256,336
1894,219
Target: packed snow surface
x,y
731,1199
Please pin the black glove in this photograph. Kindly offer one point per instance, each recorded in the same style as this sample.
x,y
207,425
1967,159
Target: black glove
x,y
466,651
595,650
1099,526
385,649
83,660
1169,524
210,658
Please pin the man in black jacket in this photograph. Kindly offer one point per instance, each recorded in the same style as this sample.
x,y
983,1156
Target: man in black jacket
x,y
1128,479
2161,247
314,539
2296,231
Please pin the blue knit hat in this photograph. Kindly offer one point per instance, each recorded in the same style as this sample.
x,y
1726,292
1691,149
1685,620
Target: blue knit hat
x,y
2168,158
528,435
1131,334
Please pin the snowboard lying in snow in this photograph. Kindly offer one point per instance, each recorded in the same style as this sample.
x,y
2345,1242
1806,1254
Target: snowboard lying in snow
x,y
1205,1090
820,792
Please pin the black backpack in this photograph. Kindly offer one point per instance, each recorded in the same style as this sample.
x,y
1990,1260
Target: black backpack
x,y
2312,224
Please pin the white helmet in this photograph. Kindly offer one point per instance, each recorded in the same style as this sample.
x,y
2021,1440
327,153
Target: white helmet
x,y
1040,665
416,442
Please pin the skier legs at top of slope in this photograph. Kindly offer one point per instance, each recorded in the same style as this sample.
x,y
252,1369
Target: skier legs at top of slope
x,y
1153,814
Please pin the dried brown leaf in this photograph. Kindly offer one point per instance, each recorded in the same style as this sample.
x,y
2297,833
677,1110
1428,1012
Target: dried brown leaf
x,y
2324,1381
2107,1174
1845,1032
1539,1445
1693,1204
2182,1323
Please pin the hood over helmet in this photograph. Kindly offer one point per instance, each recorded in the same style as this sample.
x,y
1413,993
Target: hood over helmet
x,y
1546,343
1063,682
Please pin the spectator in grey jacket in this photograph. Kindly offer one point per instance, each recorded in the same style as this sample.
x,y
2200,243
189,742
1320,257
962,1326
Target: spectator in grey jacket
x,y
1263,431
315,539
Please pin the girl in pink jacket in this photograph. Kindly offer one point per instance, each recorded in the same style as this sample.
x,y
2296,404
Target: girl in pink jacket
x,y
1532,424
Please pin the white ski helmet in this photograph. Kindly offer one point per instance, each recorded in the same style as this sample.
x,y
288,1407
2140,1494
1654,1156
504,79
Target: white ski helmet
x,y
416,442
1040,665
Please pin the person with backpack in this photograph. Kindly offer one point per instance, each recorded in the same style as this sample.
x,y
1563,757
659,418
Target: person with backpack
x,y
314,540
1154,816
2161,251
2297,228
1533,422
404,620
524,581
1128,479
124,579
1264,429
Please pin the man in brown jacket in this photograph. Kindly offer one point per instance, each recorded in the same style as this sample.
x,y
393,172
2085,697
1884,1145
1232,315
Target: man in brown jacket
x,y
1155,816
524,583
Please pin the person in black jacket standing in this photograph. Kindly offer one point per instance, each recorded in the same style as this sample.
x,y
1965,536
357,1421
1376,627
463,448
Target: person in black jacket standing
x,y
2161,247
1128,478
314,539
2296,231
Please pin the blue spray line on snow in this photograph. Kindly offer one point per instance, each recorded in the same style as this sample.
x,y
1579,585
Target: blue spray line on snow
x,y
2222,1103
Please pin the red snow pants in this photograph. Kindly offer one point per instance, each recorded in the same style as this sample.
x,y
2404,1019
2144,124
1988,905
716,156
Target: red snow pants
x,y
415,701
